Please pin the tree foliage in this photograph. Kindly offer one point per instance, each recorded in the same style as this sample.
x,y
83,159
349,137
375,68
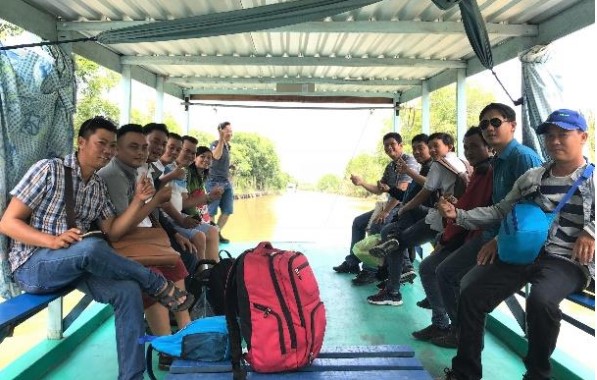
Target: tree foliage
x,y
329,183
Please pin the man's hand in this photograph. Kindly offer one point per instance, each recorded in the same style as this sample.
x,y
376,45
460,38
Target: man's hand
x,y
381,217
487,253
179,173
384,188
401,166
189,222
144,189
185,243
356,180
446,208
216,193
65,239
584,248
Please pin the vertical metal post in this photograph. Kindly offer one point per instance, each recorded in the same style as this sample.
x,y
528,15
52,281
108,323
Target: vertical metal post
x,y
159,101
460,110
425,108
396,123
126,95
187,108
55,319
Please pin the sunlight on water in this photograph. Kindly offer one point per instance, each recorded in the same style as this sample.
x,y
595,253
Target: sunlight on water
x,y
296,217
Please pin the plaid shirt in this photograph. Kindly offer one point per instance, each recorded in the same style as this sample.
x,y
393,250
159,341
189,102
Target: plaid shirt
x,y
42,190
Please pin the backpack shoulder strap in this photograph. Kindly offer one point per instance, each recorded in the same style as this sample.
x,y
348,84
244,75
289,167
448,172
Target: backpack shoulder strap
x,y
231,306
69,198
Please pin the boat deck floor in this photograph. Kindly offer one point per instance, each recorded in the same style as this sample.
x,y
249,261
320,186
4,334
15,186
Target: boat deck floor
x,y
350,321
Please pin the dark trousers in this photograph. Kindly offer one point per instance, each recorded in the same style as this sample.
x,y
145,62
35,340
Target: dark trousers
x,y
451,270
483,288
418,234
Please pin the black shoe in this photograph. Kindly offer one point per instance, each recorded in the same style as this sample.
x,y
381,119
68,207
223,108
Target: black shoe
x,y
381,285
223,240
424,303
382,250
363,278
449,374
347,268
448,340
408,277
429,333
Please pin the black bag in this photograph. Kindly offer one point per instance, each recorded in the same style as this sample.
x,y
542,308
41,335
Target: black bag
x,y
212,281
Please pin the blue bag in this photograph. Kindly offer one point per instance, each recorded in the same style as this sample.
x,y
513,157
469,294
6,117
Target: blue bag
x,y
525,229
204,339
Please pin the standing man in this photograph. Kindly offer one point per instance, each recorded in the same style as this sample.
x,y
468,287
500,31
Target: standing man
x,y
219,175
565,264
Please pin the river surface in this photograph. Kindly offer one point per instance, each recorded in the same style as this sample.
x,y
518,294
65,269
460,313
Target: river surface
x,y
295,216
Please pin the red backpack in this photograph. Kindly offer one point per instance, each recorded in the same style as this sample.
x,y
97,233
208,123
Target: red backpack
x,y
274,295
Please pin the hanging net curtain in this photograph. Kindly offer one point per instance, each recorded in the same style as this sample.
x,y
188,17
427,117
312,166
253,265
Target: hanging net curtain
x,y
37,102
238,21
543,90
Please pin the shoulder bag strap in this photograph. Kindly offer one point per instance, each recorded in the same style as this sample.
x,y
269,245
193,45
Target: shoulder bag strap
x,y
586,174
69,198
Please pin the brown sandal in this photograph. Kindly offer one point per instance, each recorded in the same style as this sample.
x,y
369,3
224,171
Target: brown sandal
x,y
172,301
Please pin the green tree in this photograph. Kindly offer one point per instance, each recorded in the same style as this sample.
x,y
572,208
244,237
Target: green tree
x,y
329,183
367,166
256,162
94,82
8,30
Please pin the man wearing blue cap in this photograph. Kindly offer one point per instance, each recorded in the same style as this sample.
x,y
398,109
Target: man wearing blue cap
x,y
565,264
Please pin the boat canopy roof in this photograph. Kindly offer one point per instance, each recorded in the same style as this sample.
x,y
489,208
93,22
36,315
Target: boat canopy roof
x,y
372,51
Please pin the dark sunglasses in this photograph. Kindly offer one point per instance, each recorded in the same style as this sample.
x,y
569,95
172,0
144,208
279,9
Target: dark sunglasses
x,y
495,122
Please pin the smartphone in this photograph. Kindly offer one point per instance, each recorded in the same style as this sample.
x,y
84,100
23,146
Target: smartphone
x,y
95,233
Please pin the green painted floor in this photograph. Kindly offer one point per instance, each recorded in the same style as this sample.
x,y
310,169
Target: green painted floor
x,y
350,321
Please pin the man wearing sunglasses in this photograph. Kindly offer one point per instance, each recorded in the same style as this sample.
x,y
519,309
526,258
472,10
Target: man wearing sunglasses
x,y
512,159
566,263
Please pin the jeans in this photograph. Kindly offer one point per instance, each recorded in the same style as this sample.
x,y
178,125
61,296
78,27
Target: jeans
x,y
226,202
395,227
95,269
359,230
419,233
427,268
452,269
552,279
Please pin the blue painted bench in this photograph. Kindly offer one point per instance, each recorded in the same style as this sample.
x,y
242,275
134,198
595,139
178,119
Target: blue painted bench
x,y
18,309
351,362
586,299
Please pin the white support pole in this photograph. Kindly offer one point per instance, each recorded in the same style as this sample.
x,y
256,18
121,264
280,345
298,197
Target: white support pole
x,y
396,124
126,95
187,124
425,108
159,101
461,126
55,319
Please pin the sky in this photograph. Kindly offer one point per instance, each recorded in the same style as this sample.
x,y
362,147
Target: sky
x,y
311,143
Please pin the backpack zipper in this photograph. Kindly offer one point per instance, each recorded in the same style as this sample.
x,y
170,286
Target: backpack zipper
x,y
266,312
292,272
283,305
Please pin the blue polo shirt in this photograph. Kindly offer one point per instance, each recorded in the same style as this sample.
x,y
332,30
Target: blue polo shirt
x,y
515,160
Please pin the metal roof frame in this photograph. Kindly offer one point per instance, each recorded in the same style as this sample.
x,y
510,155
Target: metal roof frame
x,y
348,56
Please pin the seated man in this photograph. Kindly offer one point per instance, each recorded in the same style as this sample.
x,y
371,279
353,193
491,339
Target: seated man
x,y
398,224
477,194
512,159
46,254
393,148
565,265
120,175
395,250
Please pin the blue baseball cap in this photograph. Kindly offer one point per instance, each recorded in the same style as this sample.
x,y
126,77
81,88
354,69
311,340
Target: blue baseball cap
x,y
565,119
